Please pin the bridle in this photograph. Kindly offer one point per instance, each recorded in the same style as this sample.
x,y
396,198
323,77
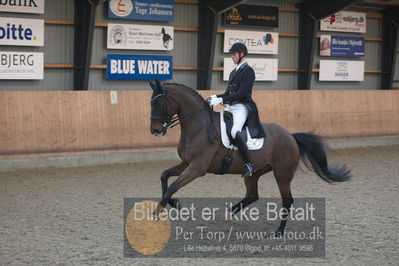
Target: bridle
x,y
174,120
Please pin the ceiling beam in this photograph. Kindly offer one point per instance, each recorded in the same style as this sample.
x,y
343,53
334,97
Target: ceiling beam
x,y
380,4
319,9
221,6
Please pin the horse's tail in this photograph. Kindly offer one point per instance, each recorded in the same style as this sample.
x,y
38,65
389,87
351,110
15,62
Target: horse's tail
x,y
312,150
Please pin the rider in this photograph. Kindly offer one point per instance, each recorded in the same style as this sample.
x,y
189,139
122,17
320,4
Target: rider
x,y
241,105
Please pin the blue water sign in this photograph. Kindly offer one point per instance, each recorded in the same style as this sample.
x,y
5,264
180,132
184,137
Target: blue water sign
x,y
130,67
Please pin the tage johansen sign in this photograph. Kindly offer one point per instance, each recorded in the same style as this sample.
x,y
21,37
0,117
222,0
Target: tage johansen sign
x,y
21,65
333,70
158,10
140,37
345,21
265,69
22,32
22,6
205,228
257,42
252,15
130,67
341,46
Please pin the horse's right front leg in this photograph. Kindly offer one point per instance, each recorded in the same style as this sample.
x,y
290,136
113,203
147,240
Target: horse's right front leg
x,y
173,171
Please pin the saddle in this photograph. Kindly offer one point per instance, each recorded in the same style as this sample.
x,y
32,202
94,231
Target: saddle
x,y
226,124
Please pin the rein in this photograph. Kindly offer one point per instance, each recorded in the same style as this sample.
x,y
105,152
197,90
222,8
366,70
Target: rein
x,y
174,121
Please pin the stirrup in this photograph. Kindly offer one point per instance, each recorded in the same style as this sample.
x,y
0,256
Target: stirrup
x,y
248,170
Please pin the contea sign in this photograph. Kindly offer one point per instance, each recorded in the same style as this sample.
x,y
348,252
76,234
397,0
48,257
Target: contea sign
x,y
257,42
21,32
22,6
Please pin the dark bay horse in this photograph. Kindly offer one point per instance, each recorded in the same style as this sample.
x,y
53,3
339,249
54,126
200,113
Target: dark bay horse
x,y
201,150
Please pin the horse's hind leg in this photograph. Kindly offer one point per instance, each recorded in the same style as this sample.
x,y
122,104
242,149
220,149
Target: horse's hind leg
x,y
173,171
284,176
251,184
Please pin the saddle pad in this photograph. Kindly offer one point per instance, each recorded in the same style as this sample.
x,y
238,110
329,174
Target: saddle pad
x,y
253,144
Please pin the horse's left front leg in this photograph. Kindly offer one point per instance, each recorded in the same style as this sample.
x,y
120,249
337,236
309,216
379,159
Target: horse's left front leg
x,y
188,175
173,171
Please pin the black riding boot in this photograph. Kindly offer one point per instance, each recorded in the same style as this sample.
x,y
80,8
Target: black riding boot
x,y
243,148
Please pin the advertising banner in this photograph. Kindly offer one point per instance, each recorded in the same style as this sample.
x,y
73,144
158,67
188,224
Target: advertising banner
x,y
252,15
345,21
332,70
130,67
140,37
341,46
265,69
22,6
158,10
257,42
21,32
21,65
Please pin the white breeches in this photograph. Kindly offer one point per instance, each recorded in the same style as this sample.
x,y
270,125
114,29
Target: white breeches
x,y
240,114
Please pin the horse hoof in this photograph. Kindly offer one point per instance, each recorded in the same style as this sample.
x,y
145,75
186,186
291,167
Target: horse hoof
x,y
155,216
175,203
279,232
156,212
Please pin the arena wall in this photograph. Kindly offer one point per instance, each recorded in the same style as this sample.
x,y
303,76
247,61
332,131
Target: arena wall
x,y
39,117
58,122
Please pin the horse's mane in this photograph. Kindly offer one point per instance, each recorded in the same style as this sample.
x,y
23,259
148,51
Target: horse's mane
x,y
192,92
211,129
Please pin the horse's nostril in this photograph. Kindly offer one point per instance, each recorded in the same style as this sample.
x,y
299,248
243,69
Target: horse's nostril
x,y
155,131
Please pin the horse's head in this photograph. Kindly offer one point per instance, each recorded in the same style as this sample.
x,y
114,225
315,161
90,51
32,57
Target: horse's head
x,y
162,110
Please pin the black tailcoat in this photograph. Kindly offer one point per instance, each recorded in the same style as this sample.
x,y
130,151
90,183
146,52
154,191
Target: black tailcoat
x,y
239,90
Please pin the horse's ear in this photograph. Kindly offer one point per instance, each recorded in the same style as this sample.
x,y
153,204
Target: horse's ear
x,y
159,86
153,86
156,87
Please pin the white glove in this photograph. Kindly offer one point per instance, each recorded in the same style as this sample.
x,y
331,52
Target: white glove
x,y
213,100
210,98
